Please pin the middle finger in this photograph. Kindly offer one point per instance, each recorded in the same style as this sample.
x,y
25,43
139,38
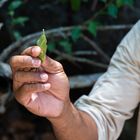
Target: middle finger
x,y
30,77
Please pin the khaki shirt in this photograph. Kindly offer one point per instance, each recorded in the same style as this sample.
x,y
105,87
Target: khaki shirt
x,y
116,94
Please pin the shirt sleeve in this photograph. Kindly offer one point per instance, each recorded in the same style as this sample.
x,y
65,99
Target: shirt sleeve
x,y
116,94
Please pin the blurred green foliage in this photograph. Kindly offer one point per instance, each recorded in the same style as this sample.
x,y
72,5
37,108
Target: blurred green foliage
x,y
101,7
110,8
76,33
13,20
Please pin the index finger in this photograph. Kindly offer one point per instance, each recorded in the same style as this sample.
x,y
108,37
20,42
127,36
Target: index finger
x,y
24,61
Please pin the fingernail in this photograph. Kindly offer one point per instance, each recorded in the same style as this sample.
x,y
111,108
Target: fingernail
x,y
36,62
47,86
35,49
44,76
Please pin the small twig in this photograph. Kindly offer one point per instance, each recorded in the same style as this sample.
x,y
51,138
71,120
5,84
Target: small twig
x,y
49,5
97,48
2,2
90,62
135,10
1,24
79,59
85,53
98,13
115,27
83,81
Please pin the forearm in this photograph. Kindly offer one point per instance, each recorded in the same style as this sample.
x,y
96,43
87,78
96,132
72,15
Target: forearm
x,y
74,125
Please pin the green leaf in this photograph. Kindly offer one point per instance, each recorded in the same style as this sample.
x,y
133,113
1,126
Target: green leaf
x,y
92,27
75,5
14,5
11,13
51,46
20,20
112,10
42,43
75,33
121,3
66,46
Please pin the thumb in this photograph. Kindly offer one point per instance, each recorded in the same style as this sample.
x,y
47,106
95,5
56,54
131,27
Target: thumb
x,y
33,51
52,66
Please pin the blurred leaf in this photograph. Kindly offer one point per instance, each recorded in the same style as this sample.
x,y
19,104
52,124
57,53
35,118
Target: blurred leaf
x,y
51,46
75,4
112,10
121,3
17,35
75,33
20,20
11,13
14,5
129,2
92,27
66,46
42,43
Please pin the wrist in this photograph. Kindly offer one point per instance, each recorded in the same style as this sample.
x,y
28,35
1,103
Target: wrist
x,y
66,116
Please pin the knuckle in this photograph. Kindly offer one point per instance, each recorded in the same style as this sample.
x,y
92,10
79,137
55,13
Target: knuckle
x,y
32,77
31,87
11,61
27,88
40,87
17,76
59,66
27,60
17,95
36,77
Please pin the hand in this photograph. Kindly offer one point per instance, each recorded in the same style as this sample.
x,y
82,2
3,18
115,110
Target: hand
x,y
44,92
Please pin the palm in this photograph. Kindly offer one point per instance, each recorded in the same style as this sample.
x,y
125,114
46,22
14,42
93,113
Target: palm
x,y
50,103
